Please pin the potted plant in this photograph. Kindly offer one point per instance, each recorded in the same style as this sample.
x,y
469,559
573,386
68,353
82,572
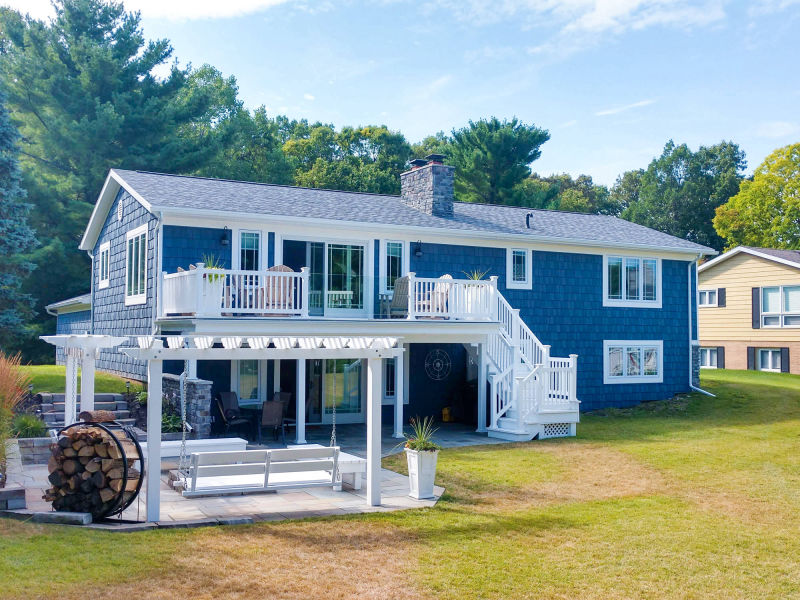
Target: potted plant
x,y
422,453
475,294
213,285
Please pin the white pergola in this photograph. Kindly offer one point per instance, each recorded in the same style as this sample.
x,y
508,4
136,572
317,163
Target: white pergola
x,y
235,347
86,349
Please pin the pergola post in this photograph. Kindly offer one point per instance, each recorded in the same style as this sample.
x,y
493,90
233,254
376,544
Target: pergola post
x,y
374,387
154,374
71,387
192,374
301,401
87,380
483,369
399,394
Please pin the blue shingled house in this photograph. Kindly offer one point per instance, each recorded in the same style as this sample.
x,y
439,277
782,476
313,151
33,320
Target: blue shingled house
x,y
512,319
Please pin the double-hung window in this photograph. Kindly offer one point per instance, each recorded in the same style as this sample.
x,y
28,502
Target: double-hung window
x,y
103,266
708,358
707,298
136,266
249,250
780,306
633,361
518,269
393,264
631,281
769,359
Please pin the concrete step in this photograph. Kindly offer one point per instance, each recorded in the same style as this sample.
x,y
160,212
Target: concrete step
x,y
512,435
58,416
60,423
98,405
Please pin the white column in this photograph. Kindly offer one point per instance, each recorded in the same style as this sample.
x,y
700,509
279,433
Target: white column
x,y
483,369
192,374
374,387
301,401
399,394
154,373
71,387
87,380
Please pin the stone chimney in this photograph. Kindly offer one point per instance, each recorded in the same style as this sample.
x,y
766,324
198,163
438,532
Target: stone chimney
x,y
428,186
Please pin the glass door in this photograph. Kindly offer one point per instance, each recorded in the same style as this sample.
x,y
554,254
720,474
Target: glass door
x,y
343,385
344,291
316,277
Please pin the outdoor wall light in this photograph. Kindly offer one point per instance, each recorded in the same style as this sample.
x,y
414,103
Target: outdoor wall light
x,y
225,240
418,249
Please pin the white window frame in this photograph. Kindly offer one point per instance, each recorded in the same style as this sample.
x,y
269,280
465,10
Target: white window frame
x,y
708,352
405,266
759,366
238,249
624,379
705,293
104,261
389,398
519,285
135,299
782,314
624,301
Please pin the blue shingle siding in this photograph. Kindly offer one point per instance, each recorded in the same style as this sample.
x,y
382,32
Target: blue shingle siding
x,y
565,310
110,315
189,245
74,322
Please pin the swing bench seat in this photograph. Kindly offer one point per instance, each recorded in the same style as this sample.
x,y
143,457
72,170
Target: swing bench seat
x,y
259,471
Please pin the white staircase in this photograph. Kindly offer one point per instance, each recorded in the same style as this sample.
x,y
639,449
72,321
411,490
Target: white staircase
x,y
532,395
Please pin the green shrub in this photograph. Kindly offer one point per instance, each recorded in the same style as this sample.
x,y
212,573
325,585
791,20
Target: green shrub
x,y
171,423
28,426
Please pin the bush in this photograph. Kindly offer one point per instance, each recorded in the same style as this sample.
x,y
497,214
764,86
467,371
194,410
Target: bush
x,y
28,426
171,424
13,387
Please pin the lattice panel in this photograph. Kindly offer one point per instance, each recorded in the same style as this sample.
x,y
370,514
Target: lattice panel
x,y
551,430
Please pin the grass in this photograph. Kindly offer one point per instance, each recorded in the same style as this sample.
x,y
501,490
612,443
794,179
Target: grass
x,y
696,497
51,378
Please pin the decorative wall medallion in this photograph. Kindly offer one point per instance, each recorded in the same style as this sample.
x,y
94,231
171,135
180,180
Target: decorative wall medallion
x,y
119,210
437,365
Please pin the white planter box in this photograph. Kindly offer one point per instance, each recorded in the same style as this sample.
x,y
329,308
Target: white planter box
x,y
211,298
421,473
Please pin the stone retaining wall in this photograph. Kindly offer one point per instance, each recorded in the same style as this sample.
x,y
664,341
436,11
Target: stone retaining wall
x,y
34,451
12,497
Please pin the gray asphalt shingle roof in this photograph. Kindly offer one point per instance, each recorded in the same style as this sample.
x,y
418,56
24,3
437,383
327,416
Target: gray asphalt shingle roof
x,y
181,192
791,255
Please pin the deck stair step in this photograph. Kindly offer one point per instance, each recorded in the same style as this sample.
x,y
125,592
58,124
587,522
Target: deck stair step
x,y
56,416
103,405
56,424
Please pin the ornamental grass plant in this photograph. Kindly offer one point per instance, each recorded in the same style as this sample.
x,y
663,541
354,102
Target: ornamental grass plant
x,y
13,385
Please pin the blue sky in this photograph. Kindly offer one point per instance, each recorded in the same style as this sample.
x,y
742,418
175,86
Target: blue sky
x,y
611,80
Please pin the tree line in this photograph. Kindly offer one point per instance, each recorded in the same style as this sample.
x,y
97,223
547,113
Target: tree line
x,y
79,95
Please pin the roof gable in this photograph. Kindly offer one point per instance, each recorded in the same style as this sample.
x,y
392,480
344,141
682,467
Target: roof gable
x,y
790,258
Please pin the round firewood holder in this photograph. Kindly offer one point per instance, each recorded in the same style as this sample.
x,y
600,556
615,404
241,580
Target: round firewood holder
x,y
123,498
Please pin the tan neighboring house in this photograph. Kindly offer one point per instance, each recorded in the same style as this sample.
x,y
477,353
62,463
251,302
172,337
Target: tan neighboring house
x,y
749,310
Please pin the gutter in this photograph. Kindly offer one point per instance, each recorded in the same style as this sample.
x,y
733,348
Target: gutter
x,y
157,247
692,341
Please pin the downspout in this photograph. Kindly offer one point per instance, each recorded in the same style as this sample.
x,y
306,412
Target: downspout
x,y
157,275
691,340
91,291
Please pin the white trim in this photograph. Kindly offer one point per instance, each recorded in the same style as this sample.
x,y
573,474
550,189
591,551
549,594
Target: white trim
x,y
405,263
236,252
519,285
709,350
623,302
770,350
623,379
782,313
136,299
708,304
753,252
105,249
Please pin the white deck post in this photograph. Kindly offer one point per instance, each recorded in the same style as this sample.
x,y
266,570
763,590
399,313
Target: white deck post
x,y
399,394
412,300
573,377
154,374
374,387
87,380
301,401
304,275
483,369
192,374
71,389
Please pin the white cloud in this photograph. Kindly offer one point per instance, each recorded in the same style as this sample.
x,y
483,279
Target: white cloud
x,y
308,96
570,123
619,109
777,129
174,10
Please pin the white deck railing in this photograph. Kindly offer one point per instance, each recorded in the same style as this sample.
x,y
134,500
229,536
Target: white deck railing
x,y
439,297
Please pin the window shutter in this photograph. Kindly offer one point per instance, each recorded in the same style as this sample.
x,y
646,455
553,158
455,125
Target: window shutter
x,y
720,357
784,360
721,297
751,358
757,308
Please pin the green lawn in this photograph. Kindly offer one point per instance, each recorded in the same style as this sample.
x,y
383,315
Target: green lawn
x,y
697,497
51,378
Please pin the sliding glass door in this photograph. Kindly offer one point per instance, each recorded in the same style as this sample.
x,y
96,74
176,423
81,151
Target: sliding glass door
x,y
336,278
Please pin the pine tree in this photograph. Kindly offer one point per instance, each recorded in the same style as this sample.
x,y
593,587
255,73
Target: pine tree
x,y
16,237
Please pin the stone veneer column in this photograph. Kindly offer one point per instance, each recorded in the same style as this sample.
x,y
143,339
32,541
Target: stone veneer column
x,y
198,402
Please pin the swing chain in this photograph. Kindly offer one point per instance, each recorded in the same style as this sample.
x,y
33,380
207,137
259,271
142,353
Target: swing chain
x,y
182,461
333,412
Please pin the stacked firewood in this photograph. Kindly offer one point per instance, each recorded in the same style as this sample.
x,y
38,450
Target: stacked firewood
x,y
87,471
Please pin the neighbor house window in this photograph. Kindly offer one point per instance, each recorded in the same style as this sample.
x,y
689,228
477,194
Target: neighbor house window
x,y
708,358
769,359
707,298
393,265
633,361
136,266
389,383
780,306
103,258
518,269
249,250
631,281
